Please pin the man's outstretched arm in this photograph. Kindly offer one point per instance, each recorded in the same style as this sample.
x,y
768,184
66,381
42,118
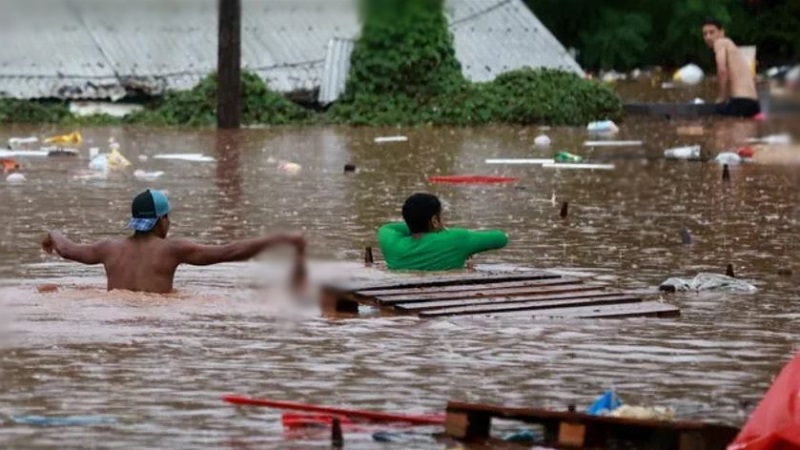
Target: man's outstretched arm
x,y
55,242
189,252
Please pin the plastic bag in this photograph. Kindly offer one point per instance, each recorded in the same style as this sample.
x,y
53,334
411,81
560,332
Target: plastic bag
x,y
708,282
604,404
775,424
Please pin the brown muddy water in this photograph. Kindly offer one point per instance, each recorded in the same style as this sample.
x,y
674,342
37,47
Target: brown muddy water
x,y
158,365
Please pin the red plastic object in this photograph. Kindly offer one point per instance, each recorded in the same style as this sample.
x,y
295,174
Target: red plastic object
x,y
430,419
746,152
471,179
775,424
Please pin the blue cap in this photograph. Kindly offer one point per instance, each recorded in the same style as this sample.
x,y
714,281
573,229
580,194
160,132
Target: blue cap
x,y
147,208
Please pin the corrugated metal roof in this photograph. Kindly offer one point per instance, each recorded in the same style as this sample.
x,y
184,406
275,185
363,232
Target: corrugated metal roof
x,y
337,67
492,37
103,48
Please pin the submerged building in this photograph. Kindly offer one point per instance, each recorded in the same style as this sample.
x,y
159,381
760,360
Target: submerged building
x,y
112,49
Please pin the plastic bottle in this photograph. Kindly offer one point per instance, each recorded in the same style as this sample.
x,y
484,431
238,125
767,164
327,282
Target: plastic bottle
x,y
689,152
567,157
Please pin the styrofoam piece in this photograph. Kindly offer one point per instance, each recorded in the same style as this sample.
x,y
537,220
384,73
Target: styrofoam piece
x,y
22,140
384,139
578,166
193,157
612,143
149,176
23,153
538,161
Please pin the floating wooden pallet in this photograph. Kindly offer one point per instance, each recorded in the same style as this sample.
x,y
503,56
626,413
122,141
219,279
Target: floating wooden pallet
x,y
539,294
468,421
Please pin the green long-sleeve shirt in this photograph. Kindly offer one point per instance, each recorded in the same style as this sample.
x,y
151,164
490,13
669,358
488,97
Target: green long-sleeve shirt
x,y
442,250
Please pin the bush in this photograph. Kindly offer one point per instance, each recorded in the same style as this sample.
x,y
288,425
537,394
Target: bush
x,y
198,107
23,111
404,72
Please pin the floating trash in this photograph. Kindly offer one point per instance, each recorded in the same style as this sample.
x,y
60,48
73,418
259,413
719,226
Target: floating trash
x,y
688,75
16,178
538,161
644,412
568,157
64,421
542,140
688,152
148,176
579,166
290,168
612,143
73,138
385,139
729,158
603,126
773,139
9,164
23,153
707,282
604,404
17,141
193,157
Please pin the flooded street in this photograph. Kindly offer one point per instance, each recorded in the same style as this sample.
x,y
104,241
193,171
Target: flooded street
x,y
159,365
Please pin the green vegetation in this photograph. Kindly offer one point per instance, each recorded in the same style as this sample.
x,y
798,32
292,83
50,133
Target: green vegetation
x,y
623,34
404,71
198,107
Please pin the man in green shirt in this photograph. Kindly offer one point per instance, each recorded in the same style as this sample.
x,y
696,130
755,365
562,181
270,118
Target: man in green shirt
x,y
423,243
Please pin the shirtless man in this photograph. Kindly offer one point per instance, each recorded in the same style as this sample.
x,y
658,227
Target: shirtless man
x,y
147,260
737,89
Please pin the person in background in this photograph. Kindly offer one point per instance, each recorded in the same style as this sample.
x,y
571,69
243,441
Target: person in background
x,y
422,242
737,89
147,260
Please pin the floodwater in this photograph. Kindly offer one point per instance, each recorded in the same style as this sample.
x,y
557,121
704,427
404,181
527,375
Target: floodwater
x,y
158,365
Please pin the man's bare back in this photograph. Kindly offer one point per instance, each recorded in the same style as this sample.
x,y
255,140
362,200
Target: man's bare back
x,y
147,261
740,83
737,88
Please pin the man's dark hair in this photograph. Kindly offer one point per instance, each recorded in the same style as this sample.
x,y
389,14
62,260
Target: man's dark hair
x,y
713,21
419,209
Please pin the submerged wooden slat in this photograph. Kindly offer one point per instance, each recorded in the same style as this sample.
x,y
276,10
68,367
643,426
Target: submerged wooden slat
x,y
532,415
540,286
442,280
548,305
544,290
643,309
467,287
422,306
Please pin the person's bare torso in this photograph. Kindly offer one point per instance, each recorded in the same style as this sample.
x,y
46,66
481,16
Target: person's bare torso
x,y
142,264
740,76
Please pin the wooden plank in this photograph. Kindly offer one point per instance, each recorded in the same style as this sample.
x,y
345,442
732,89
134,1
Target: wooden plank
x,y
423,306
534,414
468,425
441,280
531,306
579,430
571,434
465,287
504,294
533,288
